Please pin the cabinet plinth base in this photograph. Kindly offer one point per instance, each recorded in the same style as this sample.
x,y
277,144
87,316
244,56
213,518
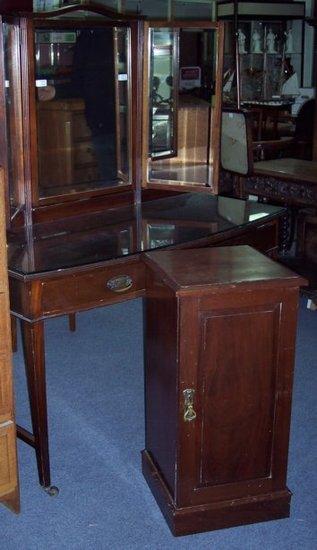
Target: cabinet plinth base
x,y
216,515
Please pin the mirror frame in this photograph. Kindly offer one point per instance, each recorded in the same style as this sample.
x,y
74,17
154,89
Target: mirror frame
x,y
242,118
216,119
63,24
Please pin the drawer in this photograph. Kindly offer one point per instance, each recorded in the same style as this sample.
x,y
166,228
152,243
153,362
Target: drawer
x,y
8,476
80,127
5,388
95,287
84,153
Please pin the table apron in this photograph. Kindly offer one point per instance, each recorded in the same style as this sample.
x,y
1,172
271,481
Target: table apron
x,y
44,296
37,299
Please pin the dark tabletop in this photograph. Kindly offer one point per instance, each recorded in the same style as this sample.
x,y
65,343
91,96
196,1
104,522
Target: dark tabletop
x,y
126,231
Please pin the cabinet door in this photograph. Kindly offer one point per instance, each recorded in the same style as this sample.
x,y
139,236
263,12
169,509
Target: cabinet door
x,y
9,490
240,367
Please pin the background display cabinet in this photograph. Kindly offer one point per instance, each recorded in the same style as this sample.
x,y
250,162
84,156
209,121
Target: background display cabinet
x,y
268,38
67,100
182,105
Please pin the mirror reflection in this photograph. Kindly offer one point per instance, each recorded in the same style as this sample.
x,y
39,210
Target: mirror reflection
x,y
182,83
82,84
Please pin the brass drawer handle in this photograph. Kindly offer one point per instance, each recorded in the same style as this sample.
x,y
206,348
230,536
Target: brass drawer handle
x,y
120,284
189,413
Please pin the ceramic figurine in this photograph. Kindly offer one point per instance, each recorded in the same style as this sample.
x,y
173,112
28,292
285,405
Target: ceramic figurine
x,y
256,42
270,42
241,41
289,41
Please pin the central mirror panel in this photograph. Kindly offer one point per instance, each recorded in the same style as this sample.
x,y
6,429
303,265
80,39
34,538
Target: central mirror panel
x,y
82,109
182,114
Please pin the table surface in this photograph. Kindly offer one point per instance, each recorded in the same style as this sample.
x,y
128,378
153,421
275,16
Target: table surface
x,y
127,231
290,168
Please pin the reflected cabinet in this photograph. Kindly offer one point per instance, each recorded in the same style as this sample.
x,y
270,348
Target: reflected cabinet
x,y
94,106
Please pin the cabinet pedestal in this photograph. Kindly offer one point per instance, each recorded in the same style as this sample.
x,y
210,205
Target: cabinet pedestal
x,y
220,330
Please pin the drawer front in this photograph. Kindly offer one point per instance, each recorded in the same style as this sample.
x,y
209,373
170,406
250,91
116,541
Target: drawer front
x,y
8,476
5,388
101,286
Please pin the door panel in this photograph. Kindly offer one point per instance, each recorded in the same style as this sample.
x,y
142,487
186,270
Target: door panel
x,y
237,373
239,365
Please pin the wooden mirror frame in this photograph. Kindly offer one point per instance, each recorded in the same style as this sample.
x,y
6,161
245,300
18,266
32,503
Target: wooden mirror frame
x,y
31,206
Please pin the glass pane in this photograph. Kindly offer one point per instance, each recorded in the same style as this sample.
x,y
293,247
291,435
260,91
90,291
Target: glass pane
x,y
163,100
194,10
13,112
229,66
82,79
182,91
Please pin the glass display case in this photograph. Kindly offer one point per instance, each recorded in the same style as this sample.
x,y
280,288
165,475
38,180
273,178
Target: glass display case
x,y
263,50
182,81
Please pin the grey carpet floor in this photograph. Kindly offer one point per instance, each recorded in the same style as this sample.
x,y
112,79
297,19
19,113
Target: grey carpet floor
x,y
95,401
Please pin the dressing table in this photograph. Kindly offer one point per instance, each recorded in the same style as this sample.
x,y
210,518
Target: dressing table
x,y
76,167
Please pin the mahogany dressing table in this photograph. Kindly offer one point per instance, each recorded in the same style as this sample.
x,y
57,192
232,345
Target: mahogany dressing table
x,y
77,152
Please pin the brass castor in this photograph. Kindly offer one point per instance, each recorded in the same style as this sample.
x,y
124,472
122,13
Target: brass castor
x,y
52,491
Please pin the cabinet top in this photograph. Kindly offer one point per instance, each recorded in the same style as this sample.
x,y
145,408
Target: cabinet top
x,y
211,268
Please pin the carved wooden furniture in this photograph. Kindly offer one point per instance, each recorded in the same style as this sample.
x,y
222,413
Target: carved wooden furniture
x,y
90,261
9,486
288,181
219,353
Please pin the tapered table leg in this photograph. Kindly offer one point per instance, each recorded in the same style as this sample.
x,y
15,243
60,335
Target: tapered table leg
x,y
34,356
72,322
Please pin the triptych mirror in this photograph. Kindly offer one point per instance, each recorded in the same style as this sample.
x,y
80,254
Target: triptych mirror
x,y
96,106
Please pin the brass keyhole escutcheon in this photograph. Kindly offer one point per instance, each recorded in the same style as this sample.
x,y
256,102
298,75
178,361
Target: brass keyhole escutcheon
x,y
189,412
